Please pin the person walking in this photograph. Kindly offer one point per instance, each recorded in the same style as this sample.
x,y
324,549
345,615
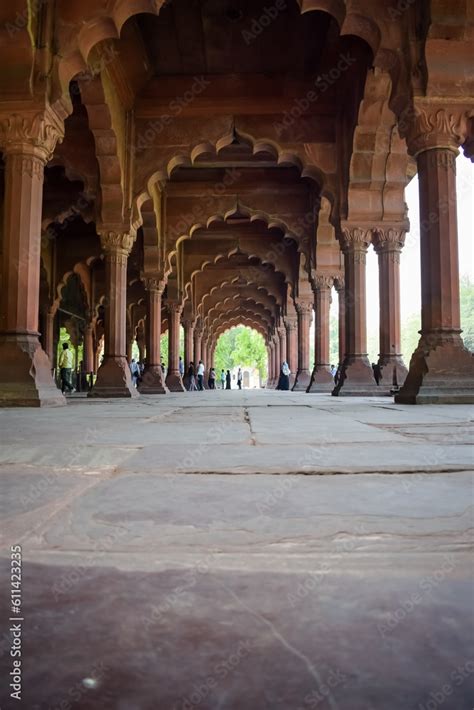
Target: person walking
x,y
134,371
212,379
284,379
191,378
222,379
239,379
181,367
65,368
227,381
200,373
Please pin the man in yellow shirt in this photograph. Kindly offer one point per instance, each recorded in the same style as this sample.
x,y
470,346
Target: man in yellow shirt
x,y
65,365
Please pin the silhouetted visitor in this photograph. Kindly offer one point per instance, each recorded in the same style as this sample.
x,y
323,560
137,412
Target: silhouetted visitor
x,y
284,379
212,379
227,380
200,375
191,378
65,366
377,372
239,379
135,372
181,366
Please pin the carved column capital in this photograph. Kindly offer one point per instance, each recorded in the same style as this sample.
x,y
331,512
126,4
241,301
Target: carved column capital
x,y
323,281
116,242
174,307
291,323
434,125
389,239
355,238
281,330
304,308
339,283
34,133
153,283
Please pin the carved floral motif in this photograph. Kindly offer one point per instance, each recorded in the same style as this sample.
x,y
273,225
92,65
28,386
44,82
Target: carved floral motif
x,y
433,126
38,132
117,242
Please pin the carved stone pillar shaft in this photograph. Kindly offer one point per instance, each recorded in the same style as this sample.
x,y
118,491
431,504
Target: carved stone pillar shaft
x,y
49,337
356,376
113,377
276,358
188,342
441,368
321,378
271,376
174,380
388,243
291,326
28,142
152,381
89,348
304,310
197,346
283,345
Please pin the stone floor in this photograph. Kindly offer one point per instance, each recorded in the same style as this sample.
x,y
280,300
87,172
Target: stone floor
x,y
161,573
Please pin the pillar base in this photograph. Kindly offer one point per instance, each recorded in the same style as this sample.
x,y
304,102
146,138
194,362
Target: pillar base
x,y
114,380
302,381
174,382
356,379
152,381
441,372
25,374
393,370
321,379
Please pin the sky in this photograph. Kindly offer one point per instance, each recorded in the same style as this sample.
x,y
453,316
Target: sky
x,y
410,259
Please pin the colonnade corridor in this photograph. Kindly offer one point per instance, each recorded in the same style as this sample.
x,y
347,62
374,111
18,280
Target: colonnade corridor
x,y
236,354
243,549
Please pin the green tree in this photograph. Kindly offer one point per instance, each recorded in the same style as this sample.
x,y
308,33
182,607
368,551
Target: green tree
x,y
241,346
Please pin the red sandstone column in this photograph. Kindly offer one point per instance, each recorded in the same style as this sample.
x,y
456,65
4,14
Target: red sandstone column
x,y
49,337
173,380
89,348
188,342
291,325
283,346
304,310
276,358
197,345
113,376
388,243
28,141
321,378
341,294
152,379
270,377
441,369
357,377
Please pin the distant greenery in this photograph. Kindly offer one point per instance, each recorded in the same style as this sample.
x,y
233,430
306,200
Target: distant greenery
x,y
412,325
241,346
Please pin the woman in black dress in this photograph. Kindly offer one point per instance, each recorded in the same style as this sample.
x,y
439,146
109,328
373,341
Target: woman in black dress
x,y
227,380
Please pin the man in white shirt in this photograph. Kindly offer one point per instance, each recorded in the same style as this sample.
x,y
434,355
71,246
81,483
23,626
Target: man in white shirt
x,y
65,366
200,374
